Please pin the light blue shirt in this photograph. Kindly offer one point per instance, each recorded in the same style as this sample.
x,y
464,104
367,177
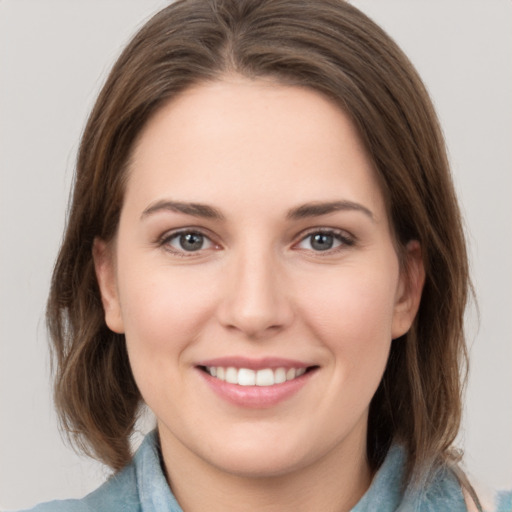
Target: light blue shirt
x,y
142,487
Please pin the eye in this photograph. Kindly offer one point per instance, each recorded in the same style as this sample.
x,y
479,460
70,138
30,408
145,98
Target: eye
x,y
320,241
187,241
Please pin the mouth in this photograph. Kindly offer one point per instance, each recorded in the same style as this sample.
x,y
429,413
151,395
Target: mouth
x,y
256,383
264,377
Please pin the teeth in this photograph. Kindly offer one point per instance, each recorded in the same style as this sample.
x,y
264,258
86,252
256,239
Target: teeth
x,y
265,377
247,377
232,375
280,375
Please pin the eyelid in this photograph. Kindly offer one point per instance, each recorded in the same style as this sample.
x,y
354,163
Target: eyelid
x,y
164,239
343,236
346,239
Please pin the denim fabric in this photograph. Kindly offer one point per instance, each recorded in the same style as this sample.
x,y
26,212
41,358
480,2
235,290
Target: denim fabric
x,y
440,490
504,501
142,487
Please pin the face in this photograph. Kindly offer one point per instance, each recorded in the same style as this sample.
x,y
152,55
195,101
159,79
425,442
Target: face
x,y
255,277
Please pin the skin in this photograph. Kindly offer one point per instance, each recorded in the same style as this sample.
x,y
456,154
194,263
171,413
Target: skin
x,y
258,287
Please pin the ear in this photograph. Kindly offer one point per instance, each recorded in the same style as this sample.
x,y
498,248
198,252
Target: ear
x,y
104,265
410,288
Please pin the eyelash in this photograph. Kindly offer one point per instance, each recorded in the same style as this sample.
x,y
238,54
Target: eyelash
x,y
345,240
166,239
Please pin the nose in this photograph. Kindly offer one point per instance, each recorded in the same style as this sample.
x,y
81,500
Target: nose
x,y
255,301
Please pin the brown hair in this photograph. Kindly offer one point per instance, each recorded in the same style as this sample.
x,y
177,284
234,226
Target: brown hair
x,y
331,47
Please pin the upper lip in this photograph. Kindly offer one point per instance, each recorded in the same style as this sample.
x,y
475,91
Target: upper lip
x,y
254,364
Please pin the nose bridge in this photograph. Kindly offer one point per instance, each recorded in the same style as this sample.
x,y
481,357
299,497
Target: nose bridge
x,y
255,301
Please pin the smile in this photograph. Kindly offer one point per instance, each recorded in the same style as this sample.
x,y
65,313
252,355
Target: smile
x,y
247,377
256,383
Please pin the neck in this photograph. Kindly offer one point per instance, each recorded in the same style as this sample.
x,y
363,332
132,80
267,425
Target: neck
x,y
334,483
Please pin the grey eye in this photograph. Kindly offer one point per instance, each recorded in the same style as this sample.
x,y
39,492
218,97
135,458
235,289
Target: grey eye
x,y
190,241
321,241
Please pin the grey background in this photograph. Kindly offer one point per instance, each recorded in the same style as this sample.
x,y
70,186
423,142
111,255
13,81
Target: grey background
x,y
54,55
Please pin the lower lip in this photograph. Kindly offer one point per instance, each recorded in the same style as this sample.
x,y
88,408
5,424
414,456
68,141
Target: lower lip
x,y
256,397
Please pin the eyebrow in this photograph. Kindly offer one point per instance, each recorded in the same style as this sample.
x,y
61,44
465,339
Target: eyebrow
x,y
314,209
195,209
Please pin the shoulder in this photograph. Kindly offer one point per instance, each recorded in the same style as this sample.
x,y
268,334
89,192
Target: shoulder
x,y
60,506
441,490
119,493
490,499
435,487
139,486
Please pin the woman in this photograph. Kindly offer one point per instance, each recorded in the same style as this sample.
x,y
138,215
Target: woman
x,y
278,270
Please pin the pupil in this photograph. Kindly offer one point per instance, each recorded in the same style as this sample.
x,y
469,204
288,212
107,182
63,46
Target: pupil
x,y
322,242
191,241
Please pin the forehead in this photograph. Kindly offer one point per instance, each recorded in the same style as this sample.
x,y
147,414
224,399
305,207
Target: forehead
x,y
246,141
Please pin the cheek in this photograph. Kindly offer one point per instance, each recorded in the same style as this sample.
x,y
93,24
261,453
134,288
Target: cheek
x,y
164,310
351,315
355,305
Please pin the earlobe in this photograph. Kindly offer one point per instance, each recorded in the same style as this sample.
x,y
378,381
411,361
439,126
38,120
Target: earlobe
x,y
106,275
412,279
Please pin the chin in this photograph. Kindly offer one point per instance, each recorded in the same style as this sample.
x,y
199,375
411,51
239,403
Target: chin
x,y
260,463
